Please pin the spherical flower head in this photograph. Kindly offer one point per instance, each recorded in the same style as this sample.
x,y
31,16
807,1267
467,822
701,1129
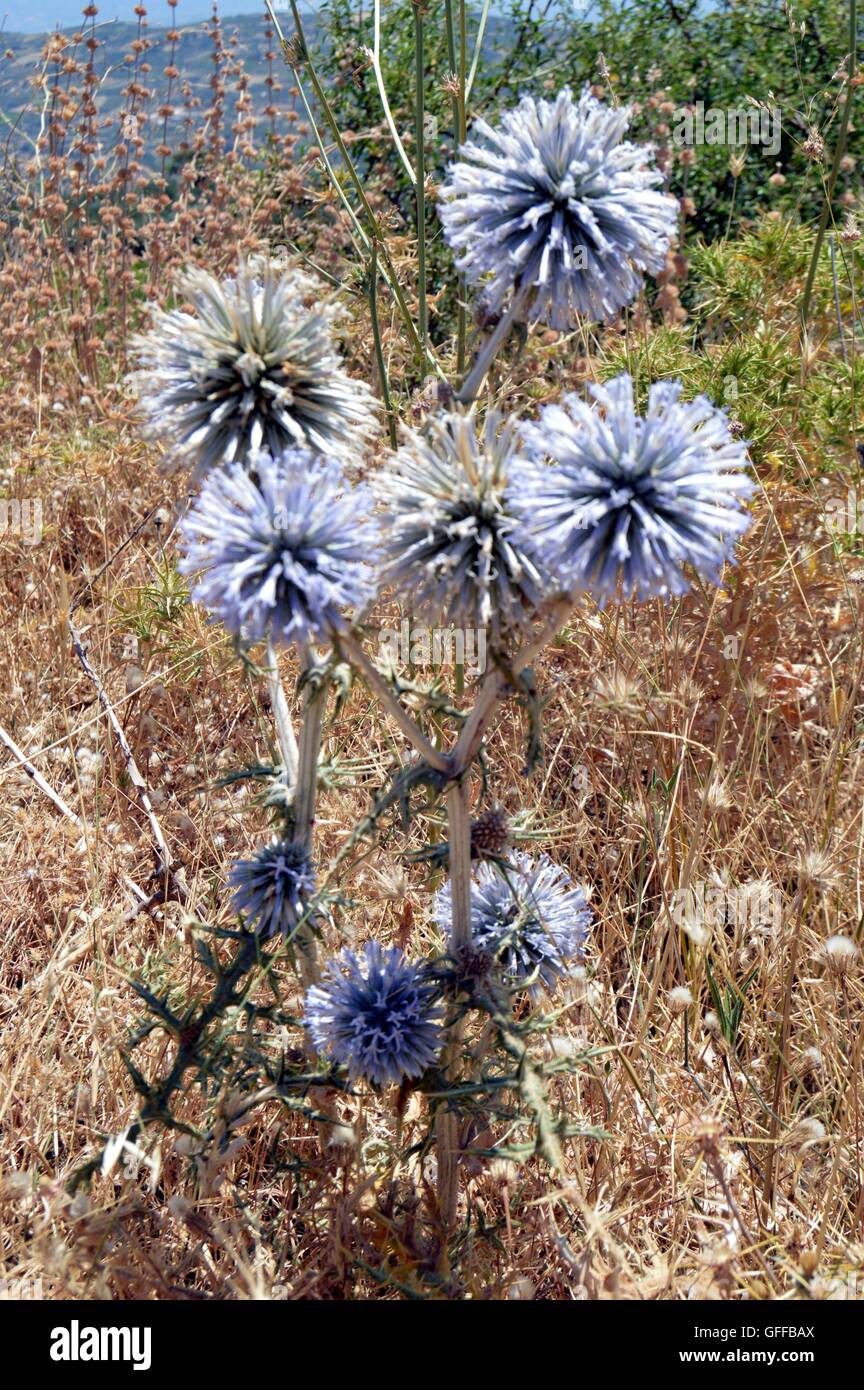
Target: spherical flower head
x,y
376,1014
556,204
282,553
530,917
272,889
451,545
251,366
630,501
839,953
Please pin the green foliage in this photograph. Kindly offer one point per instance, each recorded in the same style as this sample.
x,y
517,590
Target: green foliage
x,y
729,1007
652,51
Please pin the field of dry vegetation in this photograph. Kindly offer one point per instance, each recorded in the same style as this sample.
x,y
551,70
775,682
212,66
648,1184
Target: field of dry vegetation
x,y
702,768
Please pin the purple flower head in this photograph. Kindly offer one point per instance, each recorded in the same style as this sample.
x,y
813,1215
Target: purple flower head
x,y
284,554
554,200
272,889
451,545
615,499
376,1015
252,366
529,917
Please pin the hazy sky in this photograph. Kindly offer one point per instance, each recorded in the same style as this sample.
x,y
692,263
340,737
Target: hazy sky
x,y
35,16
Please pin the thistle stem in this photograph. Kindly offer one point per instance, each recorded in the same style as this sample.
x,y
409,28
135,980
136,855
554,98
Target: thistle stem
x,y
459,132
459,839
486,356
447,1121
352,649
305,798
839,151
379,347
282,716
471,736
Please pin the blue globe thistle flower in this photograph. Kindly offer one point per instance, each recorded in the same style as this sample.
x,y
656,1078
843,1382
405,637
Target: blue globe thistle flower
x,y
280,555
272,889
529,917
252,366
376,1015
553,202
630,500
451,545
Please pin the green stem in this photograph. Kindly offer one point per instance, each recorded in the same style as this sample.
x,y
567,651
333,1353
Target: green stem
x,y
487,354
379,348
292,54
419,135
462,321
459,126
305,799
839,151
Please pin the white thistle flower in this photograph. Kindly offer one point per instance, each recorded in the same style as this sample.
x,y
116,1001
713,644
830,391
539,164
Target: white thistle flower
x,y
554,202
252,366
451,544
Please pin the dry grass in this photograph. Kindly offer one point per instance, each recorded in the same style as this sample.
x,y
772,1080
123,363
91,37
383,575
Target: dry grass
x,y
666,764
712,745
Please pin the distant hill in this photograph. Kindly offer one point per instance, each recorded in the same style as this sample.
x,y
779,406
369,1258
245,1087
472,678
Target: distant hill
x,y
40,16
21,65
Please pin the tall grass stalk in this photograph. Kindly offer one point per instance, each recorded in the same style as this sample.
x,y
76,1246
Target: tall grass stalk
x,y
292,54
419,8
839,151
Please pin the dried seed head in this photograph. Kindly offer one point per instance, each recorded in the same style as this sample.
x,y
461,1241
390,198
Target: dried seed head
x,y
718,795
815,869
814,145
839,953
679,999
805,1134
811,1059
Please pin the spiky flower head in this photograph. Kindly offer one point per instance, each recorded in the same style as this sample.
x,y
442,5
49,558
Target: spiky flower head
x,y
491,833
283,554
631,500
273,888
529,917
377,1015
252,365
554,203
450,543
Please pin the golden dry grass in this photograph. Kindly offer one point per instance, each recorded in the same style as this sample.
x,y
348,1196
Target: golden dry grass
x,y
712,747
669,762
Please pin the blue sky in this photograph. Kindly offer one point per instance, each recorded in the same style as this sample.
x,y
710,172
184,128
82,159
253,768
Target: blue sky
x,y
36,16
